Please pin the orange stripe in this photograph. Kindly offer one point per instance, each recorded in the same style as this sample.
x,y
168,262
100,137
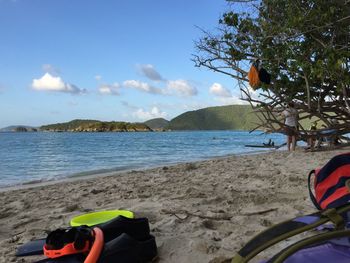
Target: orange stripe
x,y
332,180
336,195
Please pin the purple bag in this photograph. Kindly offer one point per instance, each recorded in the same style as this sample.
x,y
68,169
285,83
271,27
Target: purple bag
x,y
322,254
325,253
331,246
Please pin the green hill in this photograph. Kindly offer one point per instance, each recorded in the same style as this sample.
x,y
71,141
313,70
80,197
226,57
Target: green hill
x,y
18,128
157,124
233,117
95,126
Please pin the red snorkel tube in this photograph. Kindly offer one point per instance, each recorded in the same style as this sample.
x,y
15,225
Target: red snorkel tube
x,y
96,248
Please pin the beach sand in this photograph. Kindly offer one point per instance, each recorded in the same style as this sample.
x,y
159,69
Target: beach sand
x,y
199,212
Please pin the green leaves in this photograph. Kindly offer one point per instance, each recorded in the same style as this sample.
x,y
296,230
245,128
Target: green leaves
x,y
294,39
229,19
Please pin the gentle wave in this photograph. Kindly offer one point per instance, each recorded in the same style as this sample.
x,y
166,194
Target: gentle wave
x,y
39,157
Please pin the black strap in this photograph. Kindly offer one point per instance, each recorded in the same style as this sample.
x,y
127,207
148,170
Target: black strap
x,y
312,197
58,238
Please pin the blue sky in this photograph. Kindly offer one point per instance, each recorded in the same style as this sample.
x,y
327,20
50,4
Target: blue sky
x,y
108,60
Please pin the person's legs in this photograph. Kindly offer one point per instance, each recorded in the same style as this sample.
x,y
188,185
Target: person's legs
x,y
310,144
293,139
289,140
313,141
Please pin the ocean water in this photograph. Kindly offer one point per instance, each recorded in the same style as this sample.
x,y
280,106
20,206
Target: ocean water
x,y
40,156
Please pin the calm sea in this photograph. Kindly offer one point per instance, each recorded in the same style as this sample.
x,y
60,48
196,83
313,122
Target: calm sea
x,y
41,156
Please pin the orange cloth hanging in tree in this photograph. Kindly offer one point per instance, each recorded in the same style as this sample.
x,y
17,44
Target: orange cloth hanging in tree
x,y
253,77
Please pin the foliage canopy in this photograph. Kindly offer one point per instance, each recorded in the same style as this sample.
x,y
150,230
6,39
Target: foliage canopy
x,y
303,44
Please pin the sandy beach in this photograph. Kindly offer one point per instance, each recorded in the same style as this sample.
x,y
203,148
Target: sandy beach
x,y
199,212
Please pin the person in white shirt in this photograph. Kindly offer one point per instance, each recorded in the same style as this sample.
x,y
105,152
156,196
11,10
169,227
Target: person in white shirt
x,y
291,125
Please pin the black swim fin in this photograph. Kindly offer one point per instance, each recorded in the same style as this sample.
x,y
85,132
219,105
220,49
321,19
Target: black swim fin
x,y
137,228
31,248
126,249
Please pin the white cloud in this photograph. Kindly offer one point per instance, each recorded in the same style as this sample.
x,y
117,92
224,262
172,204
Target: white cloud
x,y
173,88
51,83
107,89
98,77
150,72
142,86
181,88
218,90
254,94
155,112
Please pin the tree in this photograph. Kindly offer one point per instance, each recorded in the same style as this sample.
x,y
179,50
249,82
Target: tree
x,y
303,44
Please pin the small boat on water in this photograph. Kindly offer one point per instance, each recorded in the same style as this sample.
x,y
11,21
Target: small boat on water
x,y
266,145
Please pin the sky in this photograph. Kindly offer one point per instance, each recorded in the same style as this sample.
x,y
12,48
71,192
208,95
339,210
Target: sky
x,y
107,60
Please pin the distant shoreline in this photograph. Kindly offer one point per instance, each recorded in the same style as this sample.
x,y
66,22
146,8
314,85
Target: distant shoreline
x,y
230,117
44,131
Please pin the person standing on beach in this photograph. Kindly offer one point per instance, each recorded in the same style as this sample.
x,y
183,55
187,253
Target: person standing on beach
x,y
291,125
312,139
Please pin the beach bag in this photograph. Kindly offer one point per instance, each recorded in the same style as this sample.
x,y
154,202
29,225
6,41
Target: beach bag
x,y
322,253
253,77
264,76
258,74
305,250
331,183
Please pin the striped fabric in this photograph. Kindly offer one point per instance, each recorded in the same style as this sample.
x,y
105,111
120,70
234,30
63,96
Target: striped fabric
x,y
330,182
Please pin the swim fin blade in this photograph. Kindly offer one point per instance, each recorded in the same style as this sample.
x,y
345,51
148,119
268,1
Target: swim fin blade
x,y
126,249
31,248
